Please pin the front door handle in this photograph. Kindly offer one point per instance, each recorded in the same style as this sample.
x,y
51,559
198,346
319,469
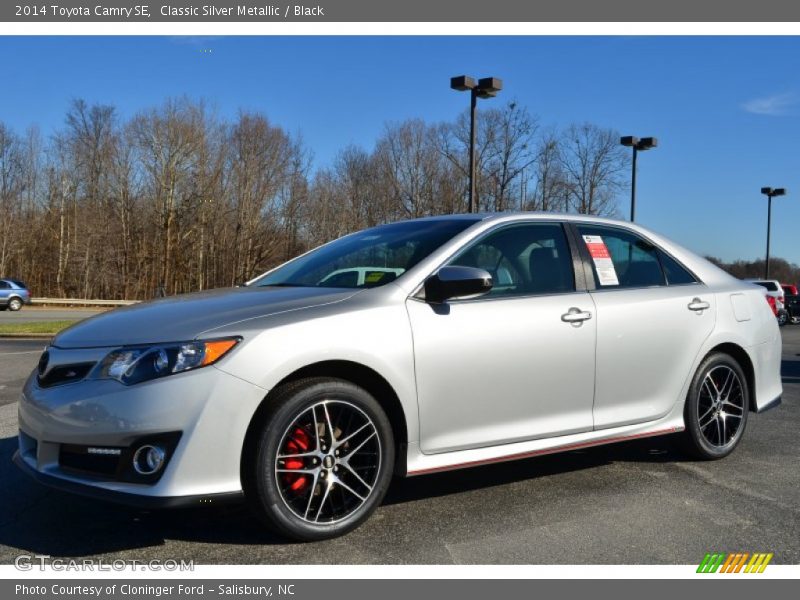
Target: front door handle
x,y
698,305
576,316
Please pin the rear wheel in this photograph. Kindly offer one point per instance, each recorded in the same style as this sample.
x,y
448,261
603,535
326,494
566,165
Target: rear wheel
x,y
324,459
716,408
783,317
15,304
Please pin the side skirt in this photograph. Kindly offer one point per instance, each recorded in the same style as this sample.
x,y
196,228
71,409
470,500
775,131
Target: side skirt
x,y
423,464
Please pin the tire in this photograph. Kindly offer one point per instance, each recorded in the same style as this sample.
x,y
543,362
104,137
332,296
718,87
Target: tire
x,y
320,494
14,304
716,408
783,317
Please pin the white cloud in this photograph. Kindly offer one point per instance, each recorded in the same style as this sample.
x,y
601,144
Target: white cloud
x,y
774,106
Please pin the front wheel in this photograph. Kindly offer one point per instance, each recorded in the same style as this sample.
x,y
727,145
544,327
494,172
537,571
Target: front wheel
x,y
14,304
323,460
716,408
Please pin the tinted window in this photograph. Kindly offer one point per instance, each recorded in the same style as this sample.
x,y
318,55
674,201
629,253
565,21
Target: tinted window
x,y
523,260
675,272
4,285
388,249
770,285
621,259
18,283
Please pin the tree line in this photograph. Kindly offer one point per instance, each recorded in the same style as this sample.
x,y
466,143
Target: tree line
x,y
779,268
177,199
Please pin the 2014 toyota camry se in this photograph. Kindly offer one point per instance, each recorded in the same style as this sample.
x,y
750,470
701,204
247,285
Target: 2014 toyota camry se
x,y
405,349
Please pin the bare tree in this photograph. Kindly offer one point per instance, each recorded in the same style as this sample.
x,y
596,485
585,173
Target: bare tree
x,y
178,199
594,163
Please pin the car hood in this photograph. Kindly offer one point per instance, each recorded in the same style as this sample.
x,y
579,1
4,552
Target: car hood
x,y
186,317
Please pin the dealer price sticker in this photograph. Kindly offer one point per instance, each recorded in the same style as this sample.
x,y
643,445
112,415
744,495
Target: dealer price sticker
x,y
606,273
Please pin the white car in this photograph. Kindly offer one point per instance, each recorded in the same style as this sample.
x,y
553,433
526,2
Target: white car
x,y
360,277
773,288
502,337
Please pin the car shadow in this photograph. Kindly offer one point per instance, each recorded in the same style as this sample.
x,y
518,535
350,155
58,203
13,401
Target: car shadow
x,y
40,520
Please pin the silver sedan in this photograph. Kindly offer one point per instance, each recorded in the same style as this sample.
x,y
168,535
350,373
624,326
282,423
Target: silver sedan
x,y
406,349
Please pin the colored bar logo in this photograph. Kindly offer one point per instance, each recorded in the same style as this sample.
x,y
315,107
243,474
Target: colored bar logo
x,y
735,562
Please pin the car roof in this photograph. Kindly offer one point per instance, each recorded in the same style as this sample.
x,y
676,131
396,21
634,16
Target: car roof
x,y
521,215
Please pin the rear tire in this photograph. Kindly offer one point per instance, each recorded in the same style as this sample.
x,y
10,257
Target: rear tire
x,y
14,304
716,408
323,459
783,317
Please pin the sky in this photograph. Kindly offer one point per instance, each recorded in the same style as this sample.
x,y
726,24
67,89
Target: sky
x,y
725,110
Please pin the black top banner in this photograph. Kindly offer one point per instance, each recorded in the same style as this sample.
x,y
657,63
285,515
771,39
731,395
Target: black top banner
x,y
404,11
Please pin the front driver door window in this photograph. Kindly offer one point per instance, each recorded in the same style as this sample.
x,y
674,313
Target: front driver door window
x,y
523,260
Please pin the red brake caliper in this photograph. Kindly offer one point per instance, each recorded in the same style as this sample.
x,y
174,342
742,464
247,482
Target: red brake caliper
x,y
298,443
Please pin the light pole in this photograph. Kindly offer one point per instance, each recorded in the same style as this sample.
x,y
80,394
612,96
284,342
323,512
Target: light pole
x,y
770,193
485,88
637,145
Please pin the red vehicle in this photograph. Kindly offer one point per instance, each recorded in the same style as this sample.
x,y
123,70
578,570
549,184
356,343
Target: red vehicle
x,y
772,305
792,301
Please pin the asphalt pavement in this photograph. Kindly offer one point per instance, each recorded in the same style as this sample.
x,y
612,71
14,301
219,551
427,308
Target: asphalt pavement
x,y
641,502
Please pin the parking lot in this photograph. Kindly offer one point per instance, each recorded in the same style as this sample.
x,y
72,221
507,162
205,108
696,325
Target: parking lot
x,y
632,503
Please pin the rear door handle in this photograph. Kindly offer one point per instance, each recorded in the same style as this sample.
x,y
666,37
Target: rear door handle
x,y
698,305
576,316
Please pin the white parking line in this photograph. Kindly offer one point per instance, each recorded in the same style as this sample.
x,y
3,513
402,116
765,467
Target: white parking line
x,y
25,352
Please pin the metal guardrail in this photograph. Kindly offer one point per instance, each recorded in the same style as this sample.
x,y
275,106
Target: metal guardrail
x,y
82,302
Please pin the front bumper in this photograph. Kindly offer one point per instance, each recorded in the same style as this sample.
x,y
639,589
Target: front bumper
x,y
210,409
126,498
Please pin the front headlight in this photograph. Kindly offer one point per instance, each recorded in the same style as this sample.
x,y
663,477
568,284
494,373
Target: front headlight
x,y
142,363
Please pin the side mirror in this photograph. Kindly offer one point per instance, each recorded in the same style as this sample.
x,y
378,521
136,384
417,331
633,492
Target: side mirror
x,y
456,282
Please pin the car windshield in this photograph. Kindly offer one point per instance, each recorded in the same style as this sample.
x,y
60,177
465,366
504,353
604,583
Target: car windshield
x,y
369,258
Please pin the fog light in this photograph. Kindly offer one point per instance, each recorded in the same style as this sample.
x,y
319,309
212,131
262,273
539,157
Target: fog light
x,y
148,459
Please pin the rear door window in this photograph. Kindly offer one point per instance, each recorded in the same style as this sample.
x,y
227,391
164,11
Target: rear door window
x,y
621,259
674,271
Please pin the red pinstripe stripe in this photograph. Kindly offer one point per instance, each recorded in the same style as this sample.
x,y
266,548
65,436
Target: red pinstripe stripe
x,y
556,449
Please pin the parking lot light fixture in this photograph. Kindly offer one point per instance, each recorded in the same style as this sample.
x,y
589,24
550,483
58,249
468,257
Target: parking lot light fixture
x,y
770,193
485,88
638,144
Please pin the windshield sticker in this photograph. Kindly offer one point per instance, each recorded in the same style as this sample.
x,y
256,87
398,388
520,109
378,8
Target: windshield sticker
x,y
606,273
374,277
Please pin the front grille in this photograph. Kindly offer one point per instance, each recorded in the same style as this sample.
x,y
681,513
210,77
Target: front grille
x,y
78,458
65,374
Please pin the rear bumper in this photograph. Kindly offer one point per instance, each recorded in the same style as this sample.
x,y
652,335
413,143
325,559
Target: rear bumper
x,y
766,360
774,403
